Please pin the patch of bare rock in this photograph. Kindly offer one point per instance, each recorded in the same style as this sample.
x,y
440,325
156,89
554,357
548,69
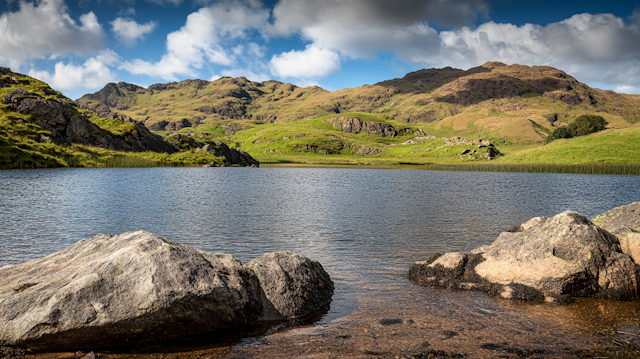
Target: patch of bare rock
x,y
357,125
549,259
66,126
137,286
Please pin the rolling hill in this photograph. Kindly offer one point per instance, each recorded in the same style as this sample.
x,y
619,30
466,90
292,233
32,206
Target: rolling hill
x,y
436,114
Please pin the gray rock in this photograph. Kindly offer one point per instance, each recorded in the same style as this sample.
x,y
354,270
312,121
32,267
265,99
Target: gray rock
x,y
624,223
292,286
66,126
562,255
357,125
234,155
364,150
118,290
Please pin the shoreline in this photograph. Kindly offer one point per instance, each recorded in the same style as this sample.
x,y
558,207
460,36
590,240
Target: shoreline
x,y
417,329
630,169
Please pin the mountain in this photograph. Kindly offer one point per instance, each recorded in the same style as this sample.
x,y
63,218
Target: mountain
x,y
484,98
39,127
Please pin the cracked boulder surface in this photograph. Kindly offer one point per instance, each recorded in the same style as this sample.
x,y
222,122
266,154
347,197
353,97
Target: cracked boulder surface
x,y
545,257
137,286
624,223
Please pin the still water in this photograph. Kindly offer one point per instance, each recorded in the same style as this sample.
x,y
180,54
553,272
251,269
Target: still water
x,y
366,226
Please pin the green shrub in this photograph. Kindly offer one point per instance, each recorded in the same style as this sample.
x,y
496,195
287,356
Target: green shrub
x,y
583,125
587,124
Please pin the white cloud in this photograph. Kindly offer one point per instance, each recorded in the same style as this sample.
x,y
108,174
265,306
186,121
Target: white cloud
x,y
126,11
599,48
46,28
250,75
200,41
129,31
593,48
93,74
361,28
313,62
628,89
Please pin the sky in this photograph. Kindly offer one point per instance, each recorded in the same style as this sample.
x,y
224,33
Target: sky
x,y
78,47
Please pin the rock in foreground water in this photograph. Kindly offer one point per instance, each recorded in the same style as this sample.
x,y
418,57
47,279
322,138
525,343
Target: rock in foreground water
x,y
544,258
118,290
624,223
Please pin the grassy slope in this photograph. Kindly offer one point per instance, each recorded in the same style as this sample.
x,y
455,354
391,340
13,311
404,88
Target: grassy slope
x,y
20,144
500,103
608,146
426,96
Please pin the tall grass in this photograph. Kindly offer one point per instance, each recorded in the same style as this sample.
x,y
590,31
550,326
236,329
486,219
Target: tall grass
x,y
600,169
128,161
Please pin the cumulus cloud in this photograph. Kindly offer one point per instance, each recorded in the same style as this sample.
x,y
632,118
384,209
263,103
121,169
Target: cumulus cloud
x,y
250,75
361,28
128,31
44,29
598,48
92,74
200,41
313,62
291,15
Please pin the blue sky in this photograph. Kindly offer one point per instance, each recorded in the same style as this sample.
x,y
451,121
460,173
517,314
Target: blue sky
x,y
78,47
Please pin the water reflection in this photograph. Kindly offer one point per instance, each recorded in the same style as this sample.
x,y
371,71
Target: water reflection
x,y
364,225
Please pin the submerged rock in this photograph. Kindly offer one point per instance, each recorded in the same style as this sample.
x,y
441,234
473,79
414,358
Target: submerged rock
x,y
119,290
546,257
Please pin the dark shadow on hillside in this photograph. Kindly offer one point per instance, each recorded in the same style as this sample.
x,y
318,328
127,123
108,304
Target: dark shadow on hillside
x,y
474,91
427,80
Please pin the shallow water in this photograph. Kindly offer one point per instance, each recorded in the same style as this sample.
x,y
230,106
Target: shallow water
x,y
366,226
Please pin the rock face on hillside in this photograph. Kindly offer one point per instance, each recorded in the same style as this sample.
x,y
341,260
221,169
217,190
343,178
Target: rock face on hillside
x,y
544,257
357,125
233,156
119,290
66,126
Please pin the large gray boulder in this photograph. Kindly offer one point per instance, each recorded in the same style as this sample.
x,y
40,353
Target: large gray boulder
x,y
546,256
291,285
624,223
134,287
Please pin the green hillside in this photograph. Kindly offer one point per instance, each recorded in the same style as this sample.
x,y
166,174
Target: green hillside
x,y
25,142
489,114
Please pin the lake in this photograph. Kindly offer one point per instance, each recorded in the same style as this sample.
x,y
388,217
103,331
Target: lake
x,y
366,226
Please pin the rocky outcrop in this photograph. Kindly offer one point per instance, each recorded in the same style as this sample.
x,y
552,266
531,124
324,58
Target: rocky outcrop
x,y
134,287
67,126
564,255
357,125
364,150
233,156
624,223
